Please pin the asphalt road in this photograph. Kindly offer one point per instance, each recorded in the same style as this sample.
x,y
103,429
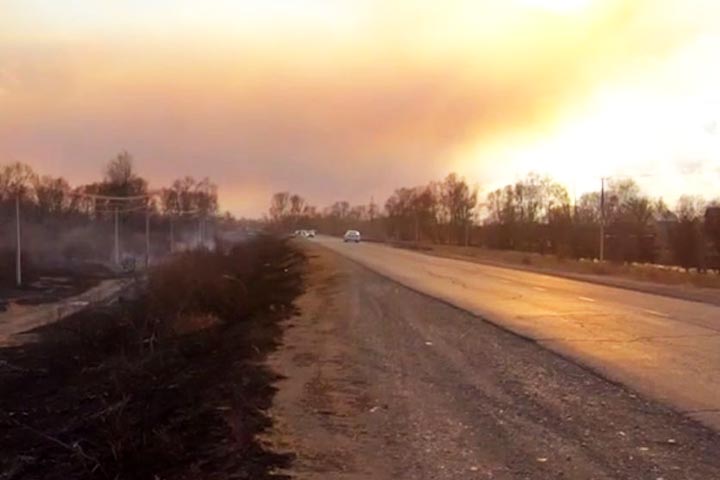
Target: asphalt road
x,y
379,382
665,348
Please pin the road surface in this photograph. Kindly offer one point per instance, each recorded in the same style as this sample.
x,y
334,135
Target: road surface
x,y
378,382
662,347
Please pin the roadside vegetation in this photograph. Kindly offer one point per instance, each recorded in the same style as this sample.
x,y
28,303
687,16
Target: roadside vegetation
x,y
66,226
168,383
534,221
552,264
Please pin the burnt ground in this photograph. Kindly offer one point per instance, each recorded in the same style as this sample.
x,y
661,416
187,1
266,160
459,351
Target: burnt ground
x,y
50,283
169,384
382,382
372,381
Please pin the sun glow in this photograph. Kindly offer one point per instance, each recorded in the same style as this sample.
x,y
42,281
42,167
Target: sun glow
x,y
274,93
657,123
656,139
561,6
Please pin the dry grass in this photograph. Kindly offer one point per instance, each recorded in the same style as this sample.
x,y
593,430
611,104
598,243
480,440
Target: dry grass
x,y
553,264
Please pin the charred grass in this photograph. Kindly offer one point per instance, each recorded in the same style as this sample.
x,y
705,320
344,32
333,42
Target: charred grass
x,y
45,282
168,384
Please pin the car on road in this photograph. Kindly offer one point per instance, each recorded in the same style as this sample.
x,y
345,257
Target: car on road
x,y
352,236
304,233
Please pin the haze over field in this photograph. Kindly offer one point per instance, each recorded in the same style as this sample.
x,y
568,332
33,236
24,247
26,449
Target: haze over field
x,y
348,99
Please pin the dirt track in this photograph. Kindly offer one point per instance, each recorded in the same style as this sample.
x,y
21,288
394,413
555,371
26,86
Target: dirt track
x,y
22,318
385,383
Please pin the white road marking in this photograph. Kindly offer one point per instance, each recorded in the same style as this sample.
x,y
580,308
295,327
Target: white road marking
x,y
540,289
587,299
656,313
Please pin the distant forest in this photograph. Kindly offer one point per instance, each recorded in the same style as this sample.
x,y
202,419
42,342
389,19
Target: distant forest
x,y
534,214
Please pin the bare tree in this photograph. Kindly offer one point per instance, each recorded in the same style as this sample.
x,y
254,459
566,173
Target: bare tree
x,y
459,201
639,211
297,203
686,239
691,207
373,210
279,206
121,179
119,170
358,213
620,194
179,197
17,179
711,227
587,210
53,195
206,197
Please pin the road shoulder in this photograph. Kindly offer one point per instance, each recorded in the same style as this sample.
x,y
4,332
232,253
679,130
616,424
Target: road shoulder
x,y
382,382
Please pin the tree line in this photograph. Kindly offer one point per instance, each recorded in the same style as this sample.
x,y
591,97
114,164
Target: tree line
x,y
533,214
48,196
60,221
439,211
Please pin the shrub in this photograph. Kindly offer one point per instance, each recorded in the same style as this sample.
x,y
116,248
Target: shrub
x,y
224,285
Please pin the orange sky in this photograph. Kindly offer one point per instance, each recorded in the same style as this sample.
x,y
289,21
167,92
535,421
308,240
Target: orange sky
x,y
350,99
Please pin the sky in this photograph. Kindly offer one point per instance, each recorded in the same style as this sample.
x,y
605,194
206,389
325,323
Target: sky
x,y
350,99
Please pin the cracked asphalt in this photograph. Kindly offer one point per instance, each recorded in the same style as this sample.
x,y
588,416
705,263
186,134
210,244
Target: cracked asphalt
x,y
383,382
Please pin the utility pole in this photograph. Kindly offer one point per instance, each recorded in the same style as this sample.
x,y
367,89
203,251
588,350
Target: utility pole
x,y
417,228
18,244
575,209
147,238
117,238
467,232
172,235
602,219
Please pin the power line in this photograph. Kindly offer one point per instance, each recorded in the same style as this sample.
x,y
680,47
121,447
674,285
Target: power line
x,y
127,210
113,197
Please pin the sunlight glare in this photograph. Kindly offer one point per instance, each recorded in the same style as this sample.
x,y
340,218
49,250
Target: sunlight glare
x,y
560,6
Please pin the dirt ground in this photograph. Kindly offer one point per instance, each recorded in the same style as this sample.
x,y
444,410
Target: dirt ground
x,y
381,382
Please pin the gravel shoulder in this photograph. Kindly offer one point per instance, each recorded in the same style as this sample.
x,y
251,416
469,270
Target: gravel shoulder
x,y
382,383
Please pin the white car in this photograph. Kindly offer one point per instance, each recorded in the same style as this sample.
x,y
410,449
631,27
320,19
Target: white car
x,y
352,236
